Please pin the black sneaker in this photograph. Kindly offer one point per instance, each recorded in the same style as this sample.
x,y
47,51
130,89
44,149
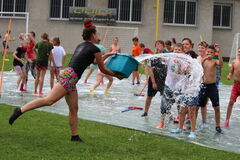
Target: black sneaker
x,y
138,83
144,114
219,130
132,83
16,113
76,139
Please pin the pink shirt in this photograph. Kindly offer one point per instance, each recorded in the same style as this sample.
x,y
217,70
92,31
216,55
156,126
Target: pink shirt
x,y
115,48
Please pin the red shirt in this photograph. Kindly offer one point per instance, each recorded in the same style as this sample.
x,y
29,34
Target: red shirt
x,y
147,51
30,50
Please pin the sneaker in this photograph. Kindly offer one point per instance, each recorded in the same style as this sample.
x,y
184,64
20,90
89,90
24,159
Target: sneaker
x,y
138,83
92,92
35,92
16,113
204,125
23,90
176,131
192,135
219,130
160,126
176,120
145,114
106,91
41,94
225,125
132,83
76,139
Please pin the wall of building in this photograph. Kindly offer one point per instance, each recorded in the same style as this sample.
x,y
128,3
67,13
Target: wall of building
x,y
203,27
225,36
70,32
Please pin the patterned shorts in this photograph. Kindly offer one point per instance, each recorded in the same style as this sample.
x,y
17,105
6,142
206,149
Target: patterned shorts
x,y
68,79
19,69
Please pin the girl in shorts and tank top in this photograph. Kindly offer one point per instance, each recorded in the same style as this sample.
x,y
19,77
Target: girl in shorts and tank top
x,y
18,64
85,54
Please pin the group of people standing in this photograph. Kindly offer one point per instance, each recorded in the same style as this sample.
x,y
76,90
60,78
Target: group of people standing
x,y
37,58
162,77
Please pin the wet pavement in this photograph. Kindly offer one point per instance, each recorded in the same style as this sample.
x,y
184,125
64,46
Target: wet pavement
x,y
107,109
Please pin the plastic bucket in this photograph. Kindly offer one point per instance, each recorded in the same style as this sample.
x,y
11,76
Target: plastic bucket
x,y
123,64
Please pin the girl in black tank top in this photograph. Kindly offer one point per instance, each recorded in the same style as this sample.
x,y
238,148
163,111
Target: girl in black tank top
x,y
85,54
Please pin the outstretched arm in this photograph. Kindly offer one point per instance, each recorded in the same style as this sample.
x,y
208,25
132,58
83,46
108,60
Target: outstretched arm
x,y
100,60
219,62
231,72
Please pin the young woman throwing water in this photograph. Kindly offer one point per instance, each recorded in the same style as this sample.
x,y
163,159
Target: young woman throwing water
x,y
85,54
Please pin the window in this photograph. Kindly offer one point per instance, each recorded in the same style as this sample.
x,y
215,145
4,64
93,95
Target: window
x,y
60,8
12,6
182,12
222,15
127,10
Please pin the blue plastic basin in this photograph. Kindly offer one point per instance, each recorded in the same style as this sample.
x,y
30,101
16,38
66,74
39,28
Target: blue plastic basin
x,y
123,64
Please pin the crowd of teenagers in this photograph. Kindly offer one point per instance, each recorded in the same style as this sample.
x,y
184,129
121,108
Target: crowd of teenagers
x,y
163,77
160,76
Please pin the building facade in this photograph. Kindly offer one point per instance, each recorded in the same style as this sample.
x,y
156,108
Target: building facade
x,y
215,21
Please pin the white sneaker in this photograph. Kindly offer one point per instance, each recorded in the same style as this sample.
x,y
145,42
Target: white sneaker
x,y
204,125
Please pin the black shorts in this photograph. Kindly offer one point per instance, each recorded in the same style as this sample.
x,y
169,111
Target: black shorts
x,y
4,45
152,92
209,91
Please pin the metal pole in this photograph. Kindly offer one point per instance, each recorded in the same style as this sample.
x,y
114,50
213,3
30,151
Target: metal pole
x,y
157,18
27,21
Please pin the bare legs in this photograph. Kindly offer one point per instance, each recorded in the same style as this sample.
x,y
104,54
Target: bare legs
x,y
52,74
98,82
88,75
135,75
21,79
55,94
72,101
39,81
147,104
192,115
229,112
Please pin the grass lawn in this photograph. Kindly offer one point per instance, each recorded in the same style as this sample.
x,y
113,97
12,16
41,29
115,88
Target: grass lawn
x,y
9,62
42,135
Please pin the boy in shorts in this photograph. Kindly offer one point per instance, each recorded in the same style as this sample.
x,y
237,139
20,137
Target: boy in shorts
x,y
136,51
209,87
235,71
158,73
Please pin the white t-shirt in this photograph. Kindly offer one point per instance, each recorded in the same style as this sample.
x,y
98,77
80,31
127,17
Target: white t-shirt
x,y
58,54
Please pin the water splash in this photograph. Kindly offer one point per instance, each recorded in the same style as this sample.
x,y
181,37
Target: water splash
x,y
190,78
